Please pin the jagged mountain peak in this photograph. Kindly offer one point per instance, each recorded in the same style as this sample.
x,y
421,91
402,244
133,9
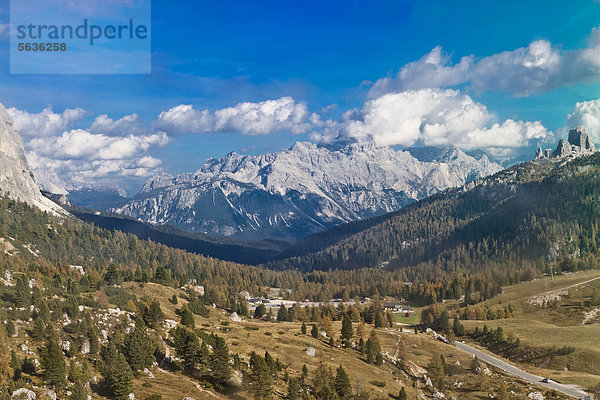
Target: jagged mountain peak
x,y
298,191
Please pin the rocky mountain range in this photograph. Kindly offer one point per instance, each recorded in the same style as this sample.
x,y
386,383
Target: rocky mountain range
x,y
308,188
16,179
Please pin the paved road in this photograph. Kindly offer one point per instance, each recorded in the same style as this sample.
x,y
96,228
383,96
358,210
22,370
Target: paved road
x,y
506,367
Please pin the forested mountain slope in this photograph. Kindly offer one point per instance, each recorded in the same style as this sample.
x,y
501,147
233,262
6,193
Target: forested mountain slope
x,y
506,225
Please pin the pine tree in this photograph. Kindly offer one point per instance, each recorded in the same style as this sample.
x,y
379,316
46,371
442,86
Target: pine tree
x,y
260,311
293,389
39,329
303,329
219,362
78,391
187,318
4,361
373,347
458,328
442,323
271,363
153,315
390,319
53,364
137,347
402,395
260,377
342,384
119,377
11,330
22,293
187,347
435,370
347,331
315,331
378,320
44,311
282,314
323,384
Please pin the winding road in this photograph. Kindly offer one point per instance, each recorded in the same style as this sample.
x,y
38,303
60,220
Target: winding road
x,y
569,390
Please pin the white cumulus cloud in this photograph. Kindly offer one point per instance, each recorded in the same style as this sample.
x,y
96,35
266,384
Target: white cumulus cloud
x,y
537,67
128,125
46,122
587,114
433,117
82,144
270,116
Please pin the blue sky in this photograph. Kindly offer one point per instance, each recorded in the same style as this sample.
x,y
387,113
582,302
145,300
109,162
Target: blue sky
x,y
326,56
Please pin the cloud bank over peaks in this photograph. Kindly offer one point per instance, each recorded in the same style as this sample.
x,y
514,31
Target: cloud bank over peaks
x,y
538,67
431,117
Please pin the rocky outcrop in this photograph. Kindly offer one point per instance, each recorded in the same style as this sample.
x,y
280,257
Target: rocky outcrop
x,y
579,143
16,179
562,150
308,188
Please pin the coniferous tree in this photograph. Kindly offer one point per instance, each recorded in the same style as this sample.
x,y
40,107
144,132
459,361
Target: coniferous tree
x,y
373,347
219,362
315,331
39,329
5,360
187,318
303,328
323,384
22,293
54,367
342,384
11,330
436,372
187,347
390,319
347,331
458,328
293,389
260,311
153,315
260,377
119,377
402,395
79,391
137,347
282,314
378,320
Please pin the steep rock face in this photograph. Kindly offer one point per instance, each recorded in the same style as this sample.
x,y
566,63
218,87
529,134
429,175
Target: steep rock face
x,y
290,194
579,137
562,150
16,180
